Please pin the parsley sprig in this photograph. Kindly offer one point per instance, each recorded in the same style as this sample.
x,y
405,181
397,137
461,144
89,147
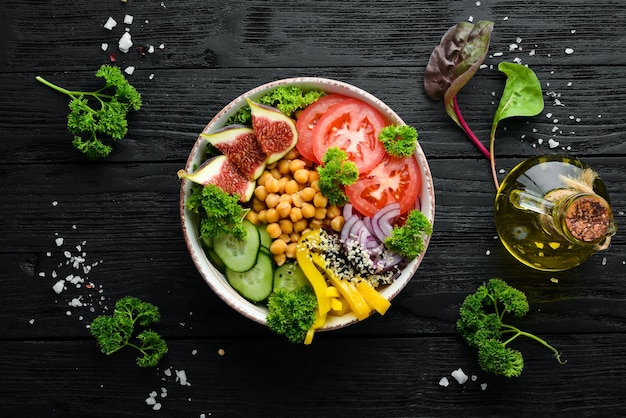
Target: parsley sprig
x,y
105,117
114,332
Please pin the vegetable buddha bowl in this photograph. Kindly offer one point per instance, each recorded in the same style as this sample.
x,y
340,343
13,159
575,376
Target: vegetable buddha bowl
x,y
307,183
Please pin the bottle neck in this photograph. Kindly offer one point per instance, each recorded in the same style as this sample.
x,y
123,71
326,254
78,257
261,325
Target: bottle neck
x,y
584,218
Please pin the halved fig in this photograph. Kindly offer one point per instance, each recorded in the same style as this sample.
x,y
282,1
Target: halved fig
x,y
222,173
240,145
275,131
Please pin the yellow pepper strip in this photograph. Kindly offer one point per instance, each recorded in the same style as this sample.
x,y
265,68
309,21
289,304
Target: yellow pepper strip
x,y
303,256
373,297
344,309
332,292
335,305
308,339
348,290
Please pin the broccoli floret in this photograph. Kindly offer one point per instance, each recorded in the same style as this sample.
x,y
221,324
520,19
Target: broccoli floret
x,y
480,324
292,312
408,239
336,172
399,140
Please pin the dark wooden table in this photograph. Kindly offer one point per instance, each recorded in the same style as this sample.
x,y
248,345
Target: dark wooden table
x,y
120,215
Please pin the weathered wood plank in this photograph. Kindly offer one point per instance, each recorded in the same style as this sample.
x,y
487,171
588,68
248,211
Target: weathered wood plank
x,y
46,35
364,377
179,103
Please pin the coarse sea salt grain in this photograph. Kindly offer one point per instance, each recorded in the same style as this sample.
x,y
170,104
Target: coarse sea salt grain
x,y
110,23
125,42
104,46
181,377
58,286
552,143
569,51
459,375
128,19
59,241
483,386
129,70
444,382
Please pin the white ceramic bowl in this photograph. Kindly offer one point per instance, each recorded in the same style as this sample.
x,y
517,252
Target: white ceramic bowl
x,y
213,277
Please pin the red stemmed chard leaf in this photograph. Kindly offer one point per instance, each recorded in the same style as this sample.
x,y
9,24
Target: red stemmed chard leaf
x,y
453,63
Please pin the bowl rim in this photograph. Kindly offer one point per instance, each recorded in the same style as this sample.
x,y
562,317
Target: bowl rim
x,y
215,279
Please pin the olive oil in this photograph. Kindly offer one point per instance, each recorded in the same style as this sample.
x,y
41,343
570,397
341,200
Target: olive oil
x,y
533,226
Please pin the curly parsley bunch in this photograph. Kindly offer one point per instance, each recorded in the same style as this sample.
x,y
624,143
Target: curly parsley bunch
x,y
105,116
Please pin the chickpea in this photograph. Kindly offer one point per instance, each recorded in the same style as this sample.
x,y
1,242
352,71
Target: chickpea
x,y
286,226
292,187
295,237
283,209
275,173
260,192
333,211
257,205
314,184
271,184
295,165
285,238
320,201
282,182
295,215
315,224
337,223
292,154
307,194
301,176
300,225
278,246
280,259
290,251
285,198
272,200
272,215
283,167
320,213
296,200
262,215
313,176
253,217
263,177
274,230
308,210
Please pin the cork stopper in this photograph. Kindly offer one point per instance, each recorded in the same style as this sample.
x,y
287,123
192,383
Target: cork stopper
x,y
588,218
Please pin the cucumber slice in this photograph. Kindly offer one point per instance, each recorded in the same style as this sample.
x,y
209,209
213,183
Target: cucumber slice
x,y
239,255
266,240
289,276
256,283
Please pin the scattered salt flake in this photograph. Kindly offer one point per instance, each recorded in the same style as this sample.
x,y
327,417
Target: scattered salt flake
x,y
42,274
162,46
459,375
569,84
128,19
194,352
444,382
505,18
604,261
552,143
513,47
168,371
151,76
569,51
478,3
151,49
150,401
58,286
110,23
483,386
474,378
497,54
130,70
32,321
488,252
181,377
125,42
104,46
157,406
470,19
59,241
518,40
532,53
540,141
54,203
68,313
548,115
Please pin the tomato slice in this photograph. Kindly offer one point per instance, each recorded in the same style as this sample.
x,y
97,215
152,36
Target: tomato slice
x,y
307,121
353,126
393,180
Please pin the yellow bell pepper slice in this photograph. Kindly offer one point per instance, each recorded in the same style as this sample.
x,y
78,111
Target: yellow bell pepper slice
x,y
332,292
348,290
315,277
344,309
373,297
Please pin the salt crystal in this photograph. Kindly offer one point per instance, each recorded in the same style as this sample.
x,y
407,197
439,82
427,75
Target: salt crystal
x,y
168,372
552,143
444,382
59,241
459,376
518,40
151,76
110,23
54,203
604,261
505,18
162,46
474,377
68,313
32,321
513,47
150,401
194,352
128,19
478,3
125,42
129,70
104,46
569,51
151,49
532,53
470,19
497,54
156,406
181,377
540,141
42,274
488,252
548,115
483,386
58,286
569,84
